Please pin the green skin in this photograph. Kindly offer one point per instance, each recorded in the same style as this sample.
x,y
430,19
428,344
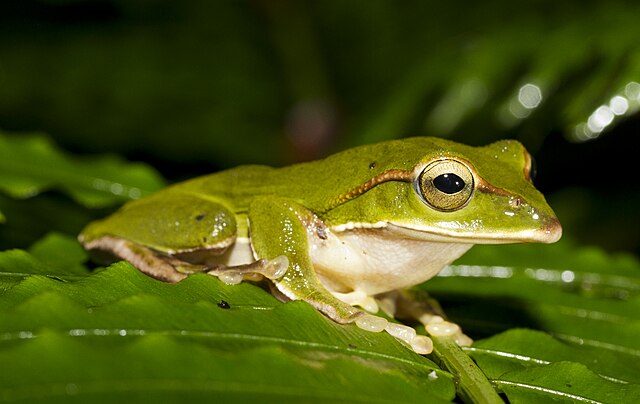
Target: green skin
x,y
277,209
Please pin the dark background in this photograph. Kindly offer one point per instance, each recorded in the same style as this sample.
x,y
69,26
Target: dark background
x,y
193,87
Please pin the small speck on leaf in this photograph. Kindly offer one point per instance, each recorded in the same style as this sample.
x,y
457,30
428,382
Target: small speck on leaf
x,y
200,217
224,305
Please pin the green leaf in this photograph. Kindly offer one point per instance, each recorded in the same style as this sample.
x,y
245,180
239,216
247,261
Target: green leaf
x,y
171,368
564,381
181,343
30,164
518,349
472,384
29,220
588,304
61,253
55,256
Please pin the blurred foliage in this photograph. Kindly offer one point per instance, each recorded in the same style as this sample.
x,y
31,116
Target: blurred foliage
x,y
30,165
196,86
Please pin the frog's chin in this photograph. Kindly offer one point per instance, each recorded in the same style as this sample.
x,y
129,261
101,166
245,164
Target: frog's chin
x,y
550,232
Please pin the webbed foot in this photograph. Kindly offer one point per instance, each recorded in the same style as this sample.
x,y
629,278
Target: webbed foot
x,y
270,269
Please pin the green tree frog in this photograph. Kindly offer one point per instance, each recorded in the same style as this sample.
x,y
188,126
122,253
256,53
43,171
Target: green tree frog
x,y
345,233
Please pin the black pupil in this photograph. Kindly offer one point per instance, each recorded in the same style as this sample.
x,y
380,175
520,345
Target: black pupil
x,y
449,183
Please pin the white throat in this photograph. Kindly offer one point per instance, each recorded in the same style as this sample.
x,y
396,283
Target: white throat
x,y
378,260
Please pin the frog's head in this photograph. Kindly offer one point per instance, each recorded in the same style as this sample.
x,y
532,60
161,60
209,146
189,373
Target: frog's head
x,y
444,191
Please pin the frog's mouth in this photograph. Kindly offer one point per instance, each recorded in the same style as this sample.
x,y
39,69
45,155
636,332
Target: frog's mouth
x,y
550,231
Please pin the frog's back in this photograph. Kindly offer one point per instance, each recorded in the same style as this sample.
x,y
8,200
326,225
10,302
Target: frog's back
x,y
196,214
234,187
316,183
210,210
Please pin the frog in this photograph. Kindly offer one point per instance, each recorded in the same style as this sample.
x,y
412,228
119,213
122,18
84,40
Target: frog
x,y
349,234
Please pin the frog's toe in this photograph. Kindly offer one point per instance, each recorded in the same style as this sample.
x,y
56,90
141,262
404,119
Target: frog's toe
x,y
421,344
463,340
189,269
401,332
275,268
369,322
438,327
230,278
443,329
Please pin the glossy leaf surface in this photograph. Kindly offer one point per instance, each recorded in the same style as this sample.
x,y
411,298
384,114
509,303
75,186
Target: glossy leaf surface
x,y
116,333
30,164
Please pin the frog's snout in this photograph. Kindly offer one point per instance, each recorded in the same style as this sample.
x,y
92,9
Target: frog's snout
x,y
552,230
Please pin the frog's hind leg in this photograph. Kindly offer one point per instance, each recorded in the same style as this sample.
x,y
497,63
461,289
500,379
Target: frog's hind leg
x,y
139,256
419,307
174,269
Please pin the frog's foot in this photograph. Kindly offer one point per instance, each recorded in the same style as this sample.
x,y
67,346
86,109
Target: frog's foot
x,y
421,344
358,298
425,310
439,327
255,271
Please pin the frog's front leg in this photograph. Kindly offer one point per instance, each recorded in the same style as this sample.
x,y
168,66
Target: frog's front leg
x,y
277,227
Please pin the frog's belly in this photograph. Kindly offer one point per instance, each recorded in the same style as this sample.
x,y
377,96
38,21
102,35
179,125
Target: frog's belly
x,y
376,260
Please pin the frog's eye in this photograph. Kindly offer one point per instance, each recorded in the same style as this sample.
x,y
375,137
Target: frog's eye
x,y
446,184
